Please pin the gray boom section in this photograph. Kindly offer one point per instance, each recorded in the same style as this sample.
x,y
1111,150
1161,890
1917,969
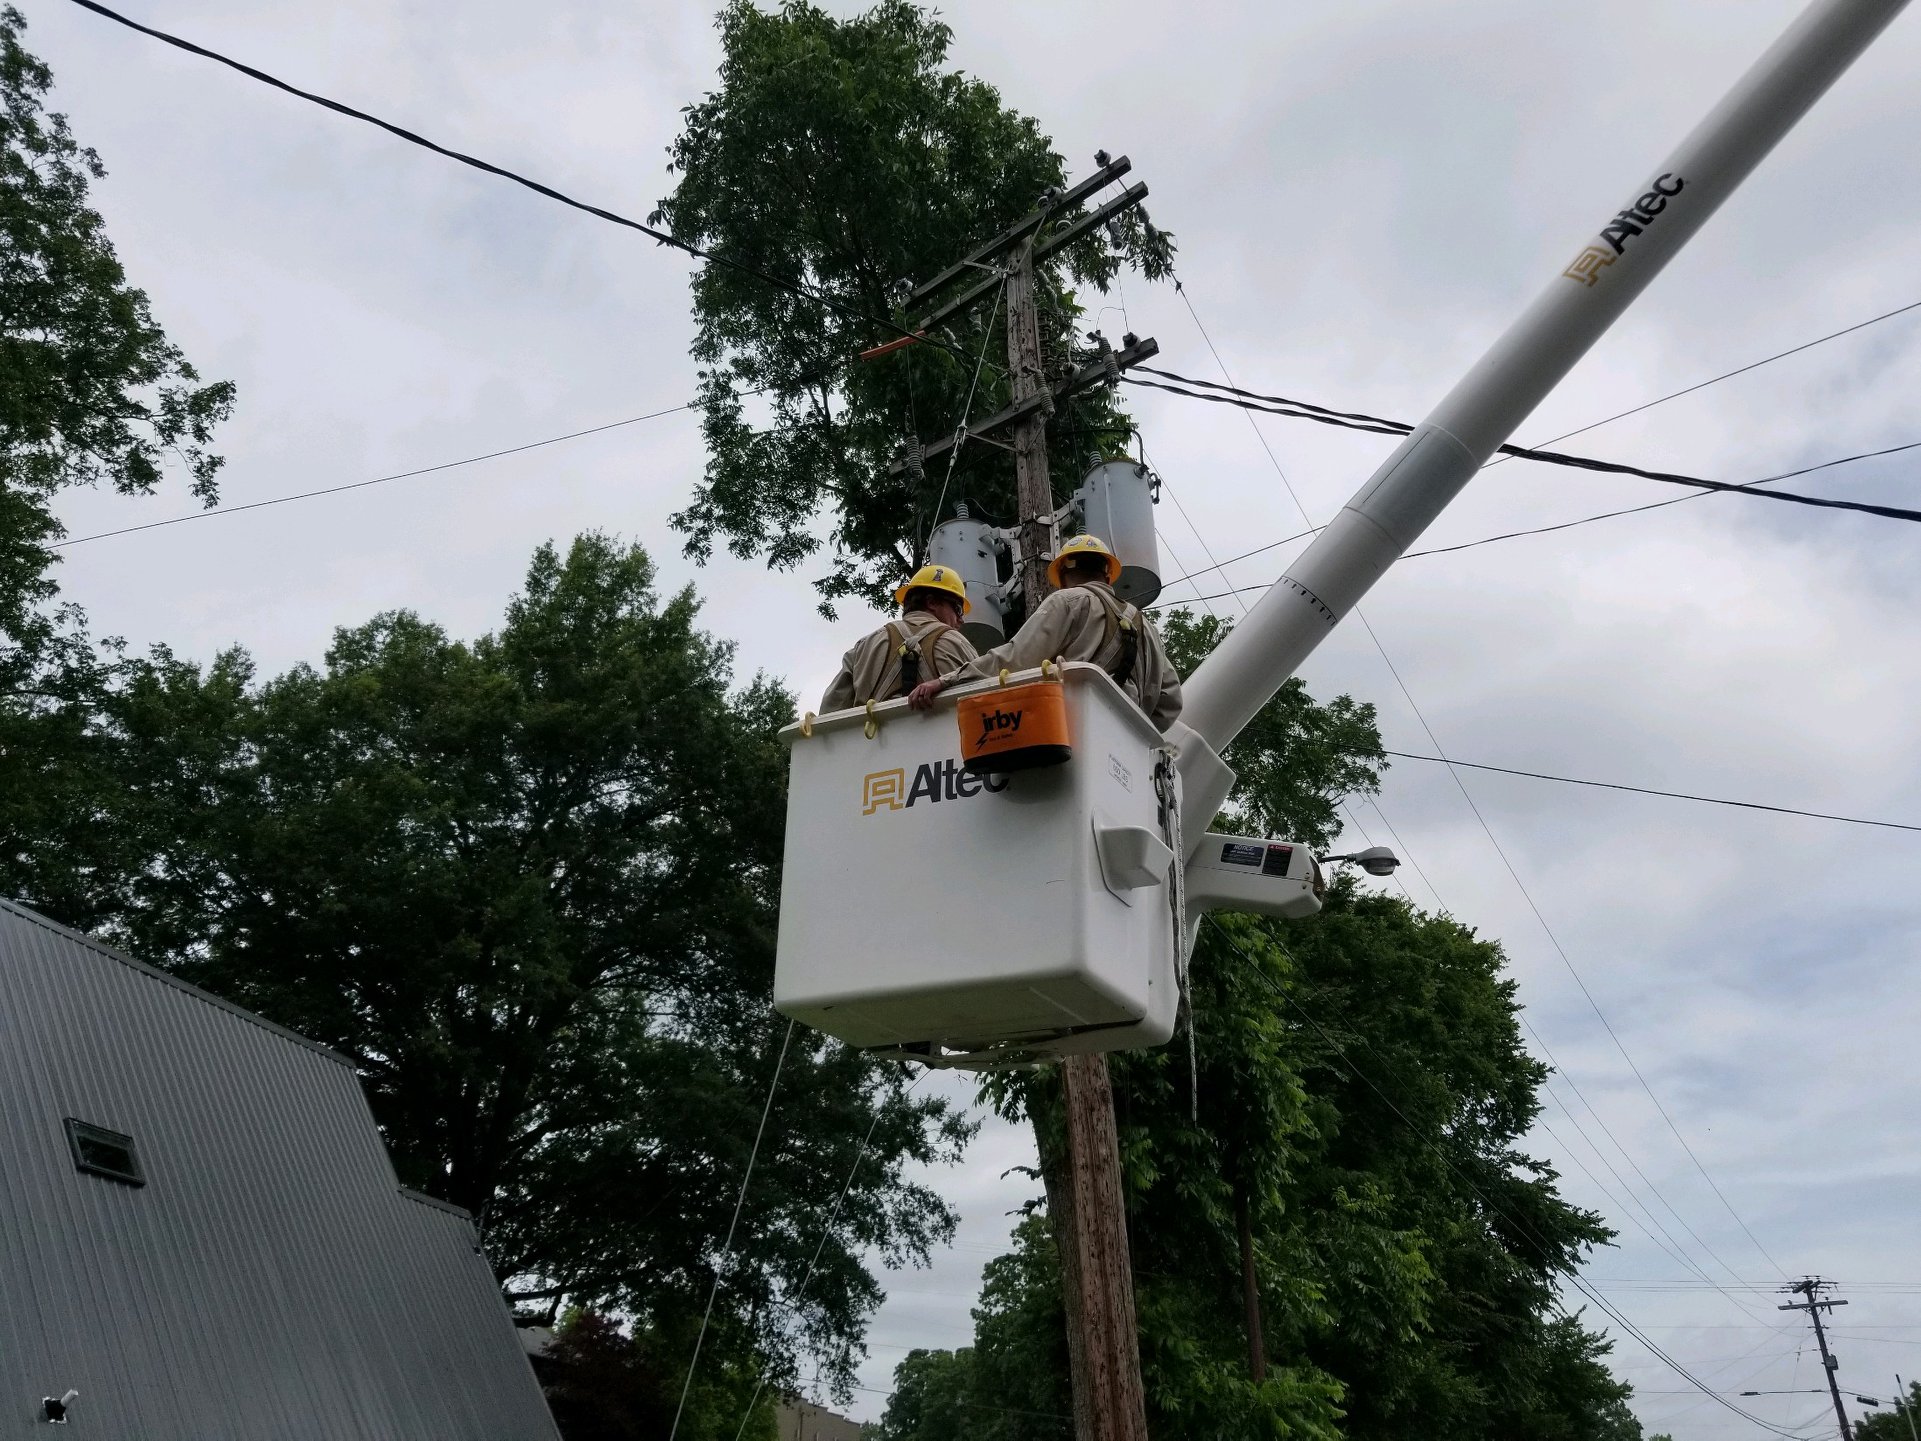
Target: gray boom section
x,y
1431,466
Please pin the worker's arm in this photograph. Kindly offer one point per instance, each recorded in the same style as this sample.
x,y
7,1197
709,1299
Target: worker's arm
x,y
1046,631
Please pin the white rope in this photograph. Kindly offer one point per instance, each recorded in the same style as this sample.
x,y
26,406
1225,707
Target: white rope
x,y
826,1231
727,1247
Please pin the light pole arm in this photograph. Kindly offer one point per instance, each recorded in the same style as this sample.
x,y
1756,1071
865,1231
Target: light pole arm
x,y
1431,466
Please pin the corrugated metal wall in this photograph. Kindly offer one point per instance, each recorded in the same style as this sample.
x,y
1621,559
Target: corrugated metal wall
x,y
270,1282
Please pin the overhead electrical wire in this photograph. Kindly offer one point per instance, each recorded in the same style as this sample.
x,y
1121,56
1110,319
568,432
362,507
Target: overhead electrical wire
x,y
377,480
612,217
1566,960
1300,410
826,1232
1533,530
727,1247
1658,504
1650,791
1738,370
1487,830
1621,415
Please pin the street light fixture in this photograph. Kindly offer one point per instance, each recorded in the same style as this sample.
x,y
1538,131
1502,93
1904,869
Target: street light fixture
x,y
1375,860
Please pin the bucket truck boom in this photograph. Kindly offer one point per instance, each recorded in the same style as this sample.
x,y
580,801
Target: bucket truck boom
x,y
1430,467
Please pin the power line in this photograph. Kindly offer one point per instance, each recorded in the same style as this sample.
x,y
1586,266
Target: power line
x,y
1649,791
377,480
804,292
826,1231
1301,410
1738,370
1388,661
1244,555
740,1201
1657,505
1561,951
1539,529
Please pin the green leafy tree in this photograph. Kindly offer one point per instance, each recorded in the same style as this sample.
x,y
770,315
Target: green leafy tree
x,y
1894,1423
845,157
528,884
604,1385
91,392
1361,1088
1011,1385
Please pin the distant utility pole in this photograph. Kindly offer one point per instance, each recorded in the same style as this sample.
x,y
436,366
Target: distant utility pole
x,y
1086,1204
1811,1287
1906,1403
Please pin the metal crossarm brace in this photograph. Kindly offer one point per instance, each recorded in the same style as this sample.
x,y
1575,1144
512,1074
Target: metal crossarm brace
x,y
1023,228
1091,374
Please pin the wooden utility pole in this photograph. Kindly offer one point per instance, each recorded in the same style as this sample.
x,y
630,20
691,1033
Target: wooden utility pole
x,y
1083,1186
1812,1287
1097,1267
1250,1285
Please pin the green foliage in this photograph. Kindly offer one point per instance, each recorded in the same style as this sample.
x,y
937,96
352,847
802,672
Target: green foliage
x,y
1011,1385
1362,1086
1893,1423
603,1385
529,885
846,157
91,391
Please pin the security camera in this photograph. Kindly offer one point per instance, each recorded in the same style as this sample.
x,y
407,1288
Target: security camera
x,y
53,1409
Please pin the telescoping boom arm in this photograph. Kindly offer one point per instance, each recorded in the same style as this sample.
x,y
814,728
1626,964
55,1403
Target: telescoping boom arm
x,y
1429,468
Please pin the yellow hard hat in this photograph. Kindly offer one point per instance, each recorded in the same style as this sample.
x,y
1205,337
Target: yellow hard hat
x,y
1084,545
936,577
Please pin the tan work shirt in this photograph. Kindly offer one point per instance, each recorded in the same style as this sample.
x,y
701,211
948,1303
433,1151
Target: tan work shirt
x,y
871,670
1072,624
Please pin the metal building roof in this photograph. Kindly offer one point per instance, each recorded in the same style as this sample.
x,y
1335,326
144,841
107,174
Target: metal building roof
x,y
270,1277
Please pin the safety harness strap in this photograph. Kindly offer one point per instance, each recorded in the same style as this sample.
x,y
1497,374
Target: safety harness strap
x,y
1122,621
909,651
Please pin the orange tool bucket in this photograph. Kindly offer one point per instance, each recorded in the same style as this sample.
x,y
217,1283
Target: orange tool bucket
x,y
1014,728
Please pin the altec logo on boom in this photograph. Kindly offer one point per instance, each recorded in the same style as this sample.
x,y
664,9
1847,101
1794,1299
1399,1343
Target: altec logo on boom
x,y
1587,266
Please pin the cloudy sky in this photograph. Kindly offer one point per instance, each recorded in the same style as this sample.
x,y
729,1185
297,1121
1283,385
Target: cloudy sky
x,y
1365,193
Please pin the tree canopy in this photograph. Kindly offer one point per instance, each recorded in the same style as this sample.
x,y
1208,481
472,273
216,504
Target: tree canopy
x,y
847,158
1895,1423
1361,1089
91,392
91,388
528,884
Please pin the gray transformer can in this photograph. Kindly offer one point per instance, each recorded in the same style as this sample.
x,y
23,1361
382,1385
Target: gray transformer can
x,y
1117,504
971,548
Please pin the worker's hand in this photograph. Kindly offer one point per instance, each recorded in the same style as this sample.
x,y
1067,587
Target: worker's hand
x,y
921,697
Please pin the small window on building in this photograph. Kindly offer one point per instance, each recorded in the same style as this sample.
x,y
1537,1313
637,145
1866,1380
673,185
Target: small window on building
x,y
100,1152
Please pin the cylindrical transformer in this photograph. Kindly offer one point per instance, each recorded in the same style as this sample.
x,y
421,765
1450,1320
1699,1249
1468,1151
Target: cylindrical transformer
x,y
1117,502
969,547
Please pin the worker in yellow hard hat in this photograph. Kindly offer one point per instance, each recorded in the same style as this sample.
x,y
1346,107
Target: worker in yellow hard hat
x,y
926,640
1082,620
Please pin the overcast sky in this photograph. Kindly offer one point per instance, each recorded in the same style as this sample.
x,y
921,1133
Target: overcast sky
x,y
1365,193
